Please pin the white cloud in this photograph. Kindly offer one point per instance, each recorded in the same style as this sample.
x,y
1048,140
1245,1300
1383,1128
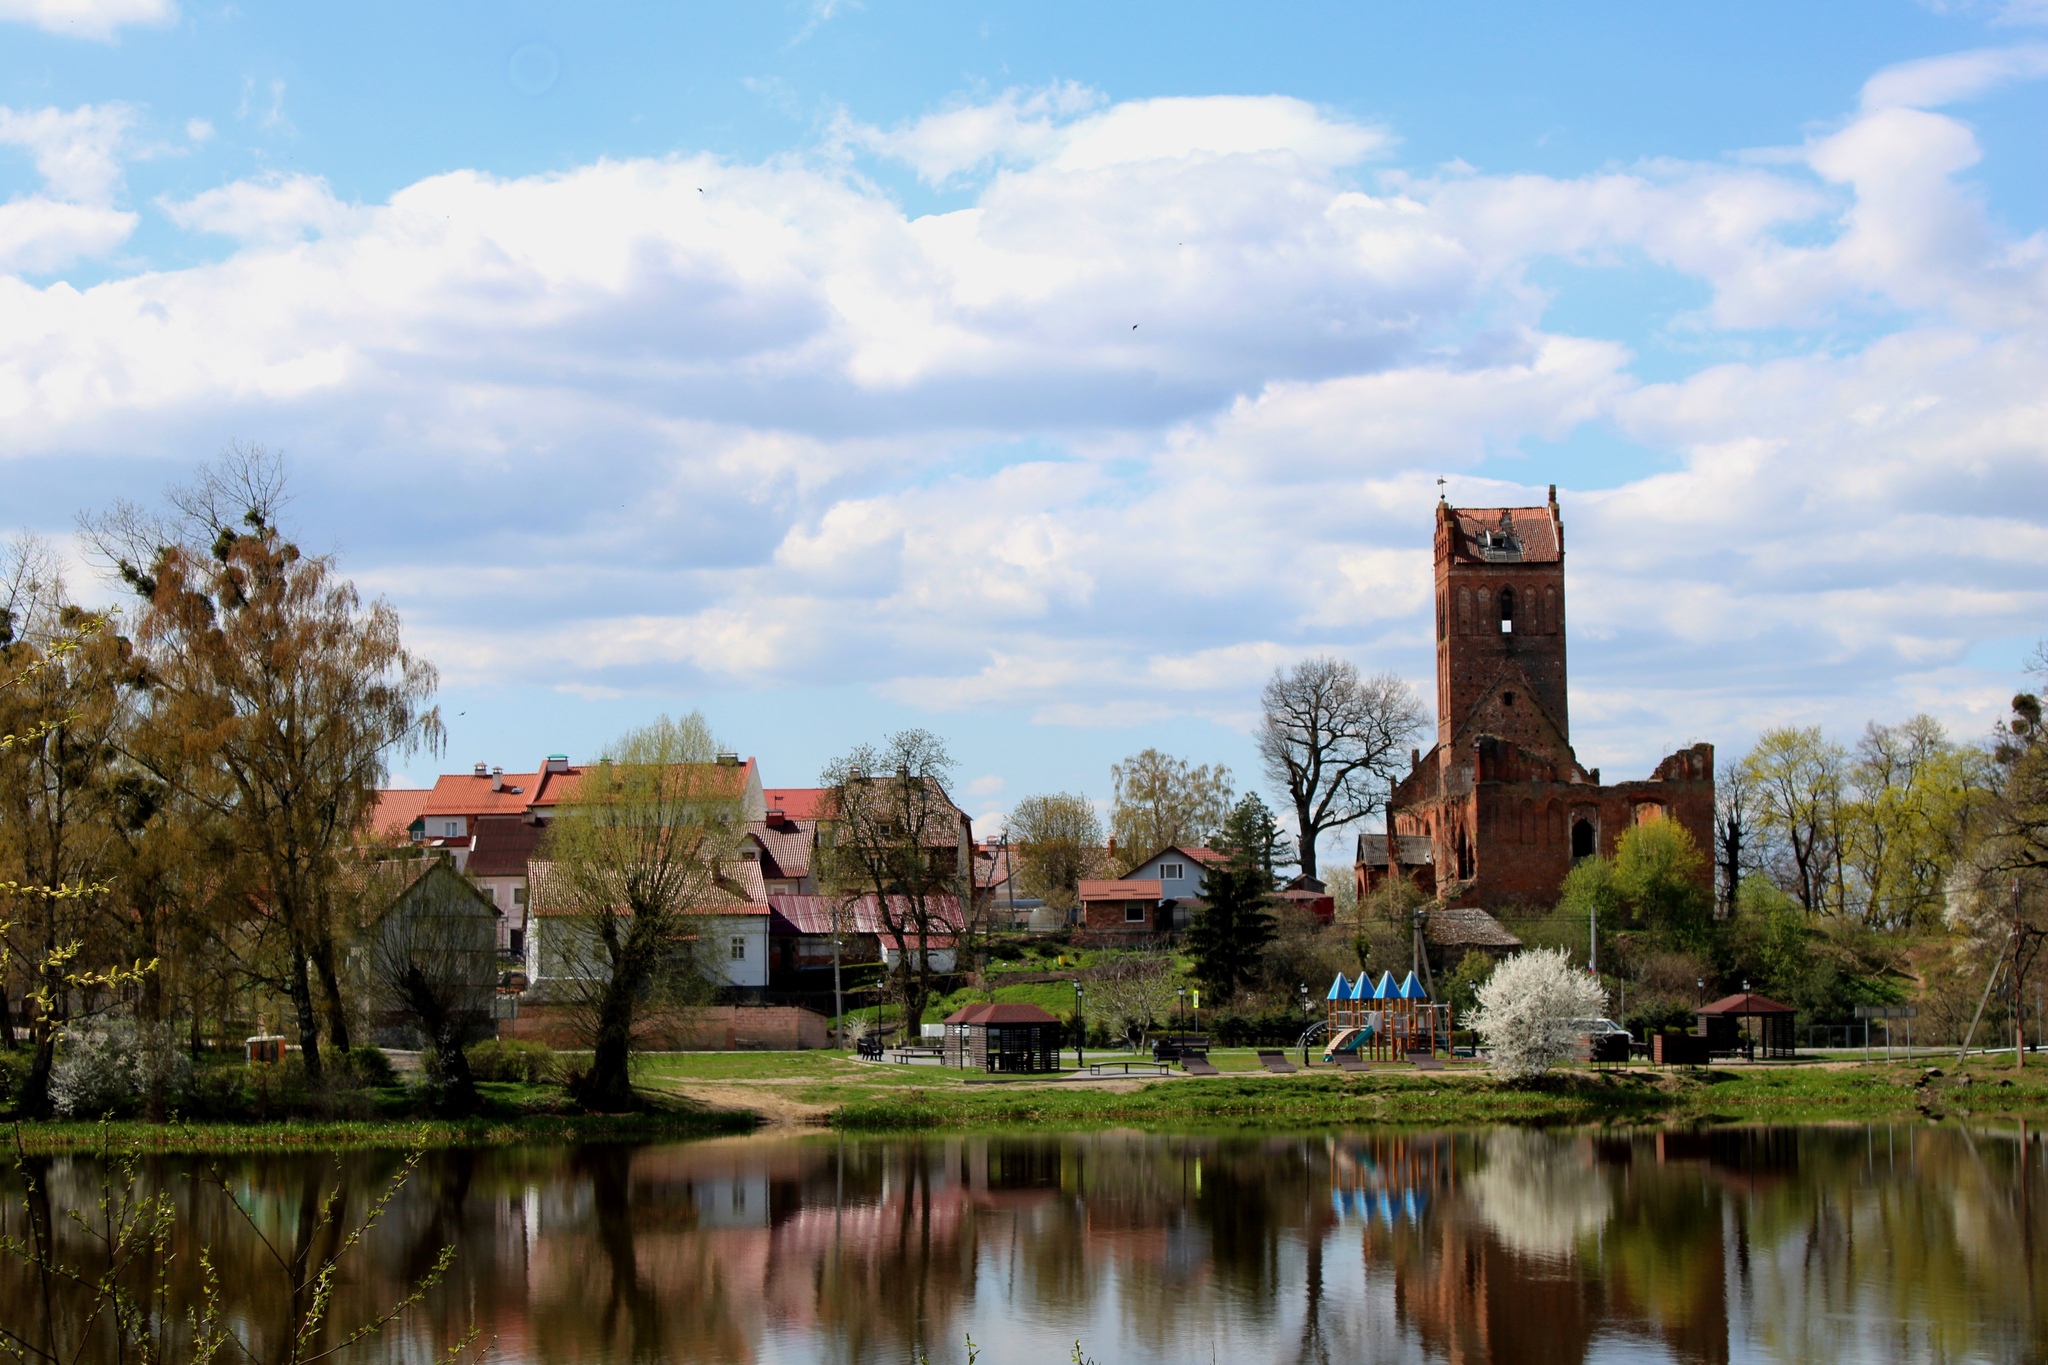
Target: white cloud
x,y
1932,82
648,422
98,19
278,209
78,155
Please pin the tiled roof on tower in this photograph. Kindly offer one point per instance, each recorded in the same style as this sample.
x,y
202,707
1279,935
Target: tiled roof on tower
x,y
1506,535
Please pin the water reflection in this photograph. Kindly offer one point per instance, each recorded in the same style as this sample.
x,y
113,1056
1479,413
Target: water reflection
x,y
1903,1244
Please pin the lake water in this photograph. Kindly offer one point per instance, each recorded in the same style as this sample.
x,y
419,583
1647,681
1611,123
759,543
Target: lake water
x,y
1909,1243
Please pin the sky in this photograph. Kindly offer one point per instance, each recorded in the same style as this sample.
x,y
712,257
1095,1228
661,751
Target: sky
x,y
1048,375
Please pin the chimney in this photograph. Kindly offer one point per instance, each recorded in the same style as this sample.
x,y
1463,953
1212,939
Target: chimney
x,y
497,779
775,818
557,763
729,760
483,770
1414,759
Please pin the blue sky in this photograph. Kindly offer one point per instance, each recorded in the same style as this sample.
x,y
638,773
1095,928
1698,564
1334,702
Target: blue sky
x,y
1048,374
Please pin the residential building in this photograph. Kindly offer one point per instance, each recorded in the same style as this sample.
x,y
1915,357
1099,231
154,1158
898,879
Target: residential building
x,y
1126,909
1182,873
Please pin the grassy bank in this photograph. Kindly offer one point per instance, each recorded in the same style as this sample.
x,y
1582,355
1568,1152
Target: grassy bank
x,y
1798,1094
670,1123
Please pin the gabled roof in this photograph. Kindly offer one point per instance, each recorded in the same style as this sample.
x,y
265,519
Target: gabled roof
x,y
1207,857
556,787
785,847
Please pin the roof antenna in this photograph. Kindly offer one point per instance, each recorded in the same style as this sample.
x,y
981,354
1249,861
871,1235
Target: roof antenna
x,y
1440,488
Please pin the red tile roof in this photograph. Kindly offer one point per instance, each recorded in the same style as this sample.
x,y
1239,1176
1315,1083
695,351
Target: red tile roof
x,y
468,794
1122,890
798,803
785,848
557,787
395,811
1530,535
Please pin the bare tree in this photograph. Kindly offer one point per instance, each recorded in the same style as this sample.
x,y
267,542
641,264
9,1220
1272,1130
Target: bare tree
x,y
887,830
1332,741
1733,817
1134,992
1158,801
638,851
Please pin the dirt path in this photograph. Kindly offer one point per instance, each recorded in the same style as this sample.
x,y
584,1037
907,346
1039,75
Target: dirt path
x,y
769,1099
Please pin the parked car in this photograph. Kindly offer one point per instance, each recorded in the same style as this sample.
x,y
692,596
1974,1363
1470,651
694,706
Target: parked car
x,y
1606,1041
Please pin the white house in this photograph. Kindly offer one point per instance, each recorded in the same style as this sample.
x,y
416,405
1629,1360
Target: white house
x,y
729,937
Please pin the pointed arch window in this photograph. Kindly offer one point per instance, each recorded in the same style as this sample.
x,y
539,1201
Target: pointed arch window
x,y
1507,610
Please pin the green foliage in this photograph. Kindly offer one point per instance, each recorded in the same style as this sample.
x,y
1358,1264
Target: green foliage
x,y
365,1065
1460,989
1233,929
1157,800
507,1059
1656,875
1251,835
1057,842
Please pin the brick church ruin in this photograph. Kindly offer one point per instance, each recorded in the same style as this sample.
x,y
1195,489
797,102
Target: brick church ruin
x,y
1496,813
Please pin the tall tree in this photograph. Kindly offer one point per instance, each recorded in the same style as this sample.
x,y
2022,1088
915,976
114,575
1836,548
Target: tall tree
x,y
63,677
282,683
1915,795
1733,817
887,830
1157,801
1332,741
1798,777
1235,924
1057,841
642,846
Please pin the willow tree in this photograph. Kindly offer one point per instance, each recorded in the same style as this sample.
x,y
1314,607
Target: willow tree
x,y
276,695
638,851
1157,801
1058,842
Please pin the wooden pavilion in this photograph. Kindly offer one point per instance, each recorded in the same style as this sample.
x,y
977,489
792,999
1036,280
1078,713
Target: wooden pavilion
x,y
1746,1022
1008,1037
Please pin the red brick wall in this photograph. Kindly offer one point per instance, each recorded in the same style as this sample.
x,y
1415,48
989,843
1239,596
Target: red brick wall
x,y
715,1028
1103,921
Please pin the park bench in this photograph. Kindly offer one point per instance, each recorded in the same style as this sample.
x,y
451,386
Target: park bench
x,y
1156,1068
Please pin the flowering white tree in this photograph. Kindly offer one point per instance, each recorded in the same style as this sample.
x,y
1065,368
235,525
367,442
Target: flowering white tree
x,y
1529,1011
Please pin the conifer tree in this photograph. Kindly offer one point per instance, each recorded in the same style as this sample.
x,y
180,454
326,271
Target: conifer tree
x,y
1235,926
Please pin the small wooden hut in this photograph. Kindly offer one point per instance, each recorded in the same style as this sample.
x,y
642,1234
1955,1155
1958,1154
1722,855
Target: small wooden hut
x,y
1011,1037
1748,1023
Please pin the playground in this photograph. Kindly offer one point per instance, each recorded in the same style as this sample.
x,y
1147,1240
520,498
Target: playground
x,y
1368,1020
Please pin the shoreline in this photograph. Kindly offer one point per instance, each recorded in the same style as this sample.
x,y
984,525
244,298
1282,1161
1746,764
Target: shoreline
x,y
695,1096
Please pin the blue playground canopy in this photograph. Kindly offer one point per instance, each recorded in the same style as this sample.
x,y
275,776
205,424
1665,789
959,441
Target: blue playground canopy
x,y
1386,989
1340,989
1411,989
1362,988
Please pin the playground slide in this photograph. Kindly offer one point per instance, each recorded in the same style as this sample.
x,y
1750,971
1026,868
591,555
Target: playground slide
x,y
1350,1040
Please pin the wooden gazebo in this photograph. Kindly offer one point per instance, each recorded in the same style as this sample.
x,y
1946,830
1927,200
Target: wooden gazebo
x,y
1746,1022
1009,1037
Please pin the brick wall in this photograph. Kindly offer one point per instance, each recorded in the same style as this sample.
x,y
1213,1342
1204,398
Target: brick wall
x,y
714,1028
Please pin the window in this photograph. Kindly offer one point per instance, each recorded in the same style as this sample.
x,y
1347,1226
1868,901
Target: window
x,y
519,895
1507,699
1173,872
450,828
739,949
1134,912
1507,610
1582,839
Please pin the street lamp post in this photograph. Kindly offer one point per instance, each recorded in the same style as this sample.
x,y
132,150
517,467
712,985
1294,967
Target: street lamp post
x,y
1180,1014
1303,988
1080,1027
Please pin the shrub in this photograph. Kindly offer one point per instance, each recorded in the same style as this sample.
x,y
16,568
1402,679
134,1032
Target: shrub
x,y
1528,1008
110,1067
366,1066
13,1071
504,1059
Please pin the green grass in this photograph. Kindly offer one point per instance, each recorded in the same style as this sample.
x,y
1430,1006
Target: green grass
x,y
670,1122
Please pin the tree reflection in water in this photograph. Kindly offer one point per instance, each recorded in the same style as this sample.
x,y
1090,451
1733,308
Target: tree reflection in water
x,y
1880,1244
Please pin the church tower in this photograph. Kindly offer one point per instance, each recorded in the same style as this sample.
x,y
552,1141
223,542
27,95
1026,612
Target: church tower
x,y
1500,661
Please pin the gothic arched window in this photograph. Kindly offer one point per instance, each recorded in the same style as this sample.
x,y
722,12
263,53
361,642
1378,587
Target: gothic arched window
x,y
1582,839
1507,610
